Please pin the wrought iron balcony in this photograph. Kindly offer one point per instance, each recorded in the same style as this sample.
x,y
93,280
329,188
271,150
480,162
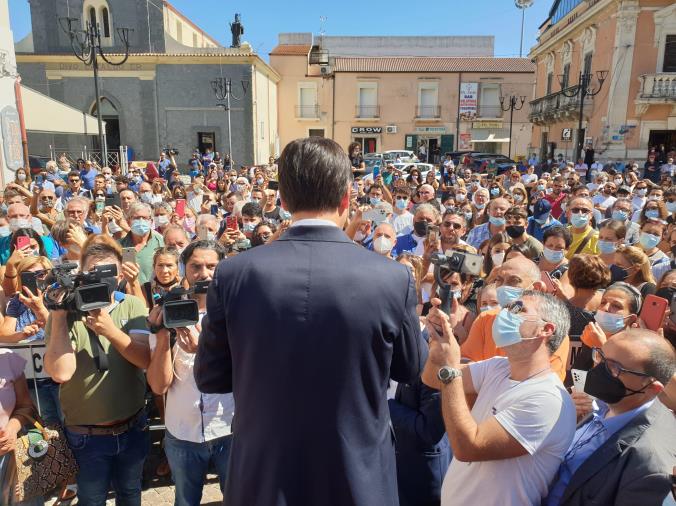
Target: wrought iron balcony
x,y
367,111
558,107
307,111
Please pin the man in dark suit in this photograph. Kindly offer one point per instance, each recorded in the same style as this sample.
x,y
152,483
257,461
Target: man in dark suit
x,y
307,342
624,452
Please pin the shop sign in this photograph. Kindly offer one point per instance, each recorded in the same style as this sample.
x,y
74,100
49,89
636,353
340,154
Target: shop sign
x,y
467,106
464,141
487,125
367,130
11,135
430,130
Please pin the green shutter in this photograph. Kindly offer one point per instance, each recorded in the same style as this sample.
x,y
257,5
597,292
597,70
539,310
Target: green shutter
x,y
447,144
412,143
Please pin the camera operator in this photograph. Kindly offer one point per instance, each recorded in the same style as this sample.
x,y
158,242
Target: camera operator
x,y
103,409
198,425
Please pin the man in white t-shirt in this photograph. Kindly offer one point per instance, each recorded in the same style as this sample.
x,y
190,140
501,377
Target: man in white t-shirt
x,y
605,198
402,219
199,431
508,447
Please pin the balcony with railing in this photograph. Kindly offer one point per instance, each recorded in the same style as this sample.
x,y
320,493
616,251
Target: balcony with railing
x,y
657,88
367,111
428,112
558,107
307,111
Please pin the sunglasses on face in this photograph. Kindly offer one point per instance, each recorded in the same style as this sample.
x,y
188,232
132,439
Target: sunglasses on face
x,y
73,180
449,224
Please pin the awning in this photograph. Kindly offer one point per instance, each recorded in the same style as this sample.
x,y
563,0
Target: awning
x,y
490,138
45,114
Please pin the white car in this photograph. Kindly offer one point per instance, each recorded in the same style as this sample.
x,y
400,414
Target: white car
x,y
402,154
405,168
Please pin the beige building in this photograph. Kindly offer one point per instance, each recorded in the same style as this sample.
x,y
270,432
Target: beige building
x,y
390,102
635,42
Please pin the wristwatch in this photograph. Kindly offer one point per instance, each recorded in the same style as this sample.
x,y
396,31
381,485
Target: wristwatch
x,y
447,374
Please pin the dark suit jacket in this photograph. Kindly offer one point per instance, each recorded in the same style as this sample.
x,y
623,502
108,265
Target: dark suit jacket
x,y
423,451
306,332
632,468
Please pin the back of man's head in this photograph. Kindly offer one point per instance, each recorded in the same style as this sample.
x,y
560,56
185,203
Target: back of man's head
x,y
314,174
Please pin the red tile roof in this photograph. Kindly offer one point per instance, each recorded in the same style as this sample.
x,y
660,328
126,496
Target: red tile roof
x,y
432,64
291,50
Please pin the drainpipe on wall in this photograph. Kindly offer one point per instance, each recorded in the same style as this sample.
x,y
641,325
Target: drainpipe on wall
x,y
333,108
22,123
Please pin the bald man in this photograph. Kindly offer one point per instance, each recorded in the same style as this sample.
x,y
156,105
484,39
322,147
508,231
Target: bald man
x,y
513,277
623,453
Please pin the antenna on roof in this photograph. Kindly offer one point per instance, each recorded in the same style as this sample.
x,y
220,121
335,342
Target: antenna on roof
x,y
322,23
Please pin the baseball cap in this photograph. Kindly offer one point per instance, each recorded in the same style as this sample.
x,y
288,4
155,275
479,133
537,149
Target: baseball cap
x,y
541,208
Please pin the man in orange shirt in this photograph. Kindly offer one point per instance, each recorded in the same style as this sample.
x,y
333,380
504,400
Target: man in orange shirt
x,y
513,277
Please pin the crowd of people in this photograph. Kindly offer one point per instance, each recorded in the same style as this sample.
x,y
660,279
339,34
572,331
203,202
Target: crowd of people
x,y
576,272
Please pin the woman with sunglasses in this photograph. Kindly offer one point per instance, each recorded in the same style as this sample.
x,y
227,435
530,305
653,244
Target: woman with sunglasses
x,y
617,311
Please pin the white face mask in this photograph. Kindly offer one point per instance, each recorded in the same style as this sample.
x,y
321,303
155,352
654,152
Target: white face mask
x,y
21,176
161,221
382,245
498,258
17,223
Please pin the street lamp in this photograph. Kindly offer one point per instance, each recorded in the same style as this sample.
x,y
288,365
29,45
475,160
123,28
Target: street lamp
x,y
582,89
511,107
223,89
523,5
86,45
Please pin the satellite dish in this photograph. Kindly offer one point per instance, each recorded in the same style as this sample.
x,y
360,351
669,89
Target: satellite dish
x,y
523,4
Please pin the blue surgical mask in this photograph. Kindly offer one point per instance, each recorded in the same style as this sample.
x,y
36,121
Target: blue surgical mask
x,y
507,329
508,294
468,216
579,220
401,203
653,214
375,201
284,214
671,207
649,241
248,227
456,294
479,206
609,322
620,215
495,192
542,219
541,187
5,231
553,256
607,247
140,227
497,221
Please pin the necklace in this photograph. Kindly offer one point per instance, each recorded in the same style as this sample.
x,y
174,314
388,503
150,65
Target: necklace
x,y
532,375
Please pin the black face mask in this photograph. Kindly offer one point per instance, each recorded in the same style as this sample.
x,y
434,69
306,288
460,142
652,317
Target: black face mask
x,y
420,228
602,385
617,273
515,231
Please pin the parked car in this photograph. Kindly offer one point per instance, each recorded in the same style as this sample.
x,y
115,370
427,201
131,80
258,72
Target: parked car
x,y
37,164
479,160
424,168
403,154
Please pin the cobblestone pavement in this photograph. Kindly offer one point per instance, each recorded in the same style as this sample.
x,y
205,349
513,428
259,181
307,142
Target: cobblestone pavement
x,y
160,491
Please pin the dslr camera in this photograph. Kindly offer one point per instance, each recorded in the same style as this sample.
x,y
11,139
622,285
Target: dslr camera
x,y
171,151
178,310
453,261
77,292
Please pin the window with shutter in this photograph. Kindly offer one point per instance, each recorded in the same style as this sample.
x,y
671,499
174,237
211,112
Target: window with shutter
x,y
669,63
550,78
566,76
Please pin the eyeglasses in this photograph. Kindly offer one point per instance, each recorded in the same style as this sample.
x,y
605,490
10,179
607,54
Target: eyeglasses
x,y
613,367
580,210
401,197
449,224
75,211
73,180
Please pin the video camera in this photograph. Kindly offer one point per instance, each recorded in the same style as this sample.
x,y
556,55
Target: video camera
x,y
171,151
77,292
177,309
456,261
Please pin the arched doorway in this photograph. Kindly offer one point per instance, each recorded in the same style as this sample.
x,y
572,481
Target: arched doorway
x,y
111,117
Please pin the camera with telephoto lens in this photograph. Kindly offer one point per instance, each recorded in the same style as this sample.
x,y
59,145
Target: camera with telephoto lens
x,y
171,151
177,309
77,292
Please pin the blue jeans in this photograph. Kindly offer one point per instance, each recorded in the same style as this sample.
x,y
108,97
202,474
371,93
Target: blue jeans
x,y
48,394
189,463
110,459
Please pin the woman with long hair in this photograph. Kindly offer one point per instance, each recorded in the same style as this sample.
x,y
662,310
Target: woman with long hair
x,y
632,265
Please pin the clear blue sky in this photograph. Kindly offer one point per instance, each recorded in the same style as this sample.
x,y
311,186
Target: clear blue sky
x,y
264,19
